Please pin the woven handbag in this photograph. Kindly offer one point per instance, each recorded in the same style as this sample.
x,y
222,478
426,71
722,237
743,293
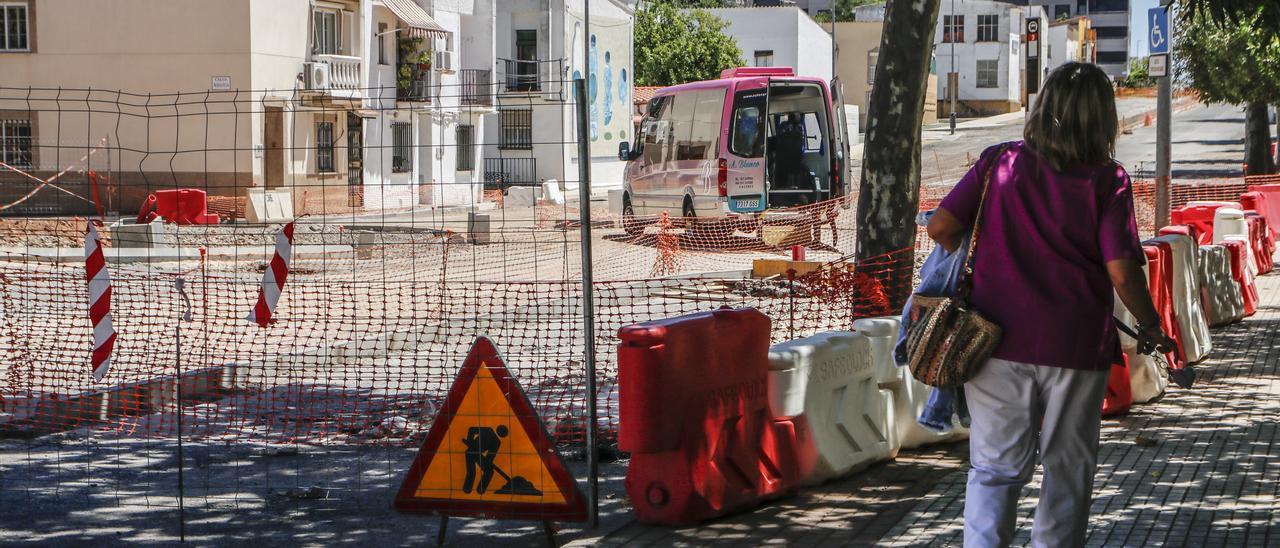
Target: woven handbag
x,y
948,341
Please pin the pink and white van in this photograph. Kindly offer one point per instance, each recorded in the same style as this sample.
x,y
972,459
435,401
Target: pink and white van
x,y
721,153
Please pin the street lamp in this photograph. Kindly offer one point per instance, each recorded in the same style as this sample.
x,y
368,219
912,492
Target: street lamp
x,y
952,87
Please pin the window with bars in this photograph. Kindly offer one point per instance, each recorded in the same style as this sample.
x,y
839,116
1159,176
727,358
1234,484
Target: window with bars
x,y
401,140
465,137
15,143
988,28
988,74
516,128
324,147
14,26
952,28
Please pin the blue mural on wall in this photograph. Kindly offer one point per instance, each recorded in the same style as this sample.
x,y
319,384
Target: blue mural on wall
x,y
608,95
624,99
592,69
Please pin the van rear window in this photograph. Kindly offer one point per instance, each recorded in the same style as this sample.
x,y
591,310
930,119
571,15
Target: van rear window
x,y
747,139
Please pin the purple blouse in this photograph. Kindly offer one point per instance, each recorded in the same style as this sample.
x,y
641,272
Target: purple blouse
x,y
1040,265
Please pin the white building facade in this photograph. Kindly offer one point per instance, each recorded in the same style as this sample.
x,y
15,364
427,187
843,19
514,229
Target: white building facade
x,y
980,56
1110,21
783,36
540,48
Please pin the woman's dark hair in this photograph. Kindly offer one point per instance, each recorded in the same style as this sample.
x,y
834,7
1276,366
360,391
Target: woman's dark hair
x,y
1074,119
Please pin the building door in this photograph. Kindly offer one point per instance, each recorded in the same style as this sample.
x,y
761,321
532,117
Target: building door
x,y
953,89
355,159
273,149
526,60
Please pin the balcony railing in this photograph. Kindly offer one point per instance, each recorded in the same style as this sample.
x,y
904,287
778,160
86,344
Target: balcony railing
x,y
477,86
418,90
501,173
344,72
531,76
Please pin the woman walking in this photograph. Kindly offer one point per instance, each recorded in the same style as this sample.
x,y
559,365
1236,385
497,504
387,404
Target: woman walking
x,y
1058,236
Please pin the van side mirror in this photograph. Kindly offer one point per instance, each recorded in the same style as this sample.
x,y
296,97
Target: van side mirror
x,y
624,151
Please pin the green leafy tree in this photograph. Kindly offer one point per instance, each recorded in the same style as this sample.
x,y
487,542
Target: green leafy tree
x,y
1265,12
1139,75
674,46
1228,60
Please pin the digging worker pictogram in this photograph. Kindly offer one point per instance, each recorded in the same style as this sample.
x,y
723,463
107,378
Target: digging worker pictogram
x,y
482,443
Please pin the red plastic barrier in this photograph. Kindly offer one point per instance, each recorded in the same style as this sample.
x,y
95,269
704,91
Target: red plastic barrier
x,y
1266,202
1199,216
1181,230
1261,241
694,414
1240,272
1119,396
184,206
1160,279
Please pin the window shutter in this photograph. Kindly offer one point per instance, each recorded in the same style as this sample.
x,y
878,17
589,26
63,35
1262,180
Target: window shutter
x,y
347,23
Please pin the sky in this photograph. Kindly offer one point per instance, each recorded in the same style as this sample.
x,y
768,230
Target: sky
x,y
1138,26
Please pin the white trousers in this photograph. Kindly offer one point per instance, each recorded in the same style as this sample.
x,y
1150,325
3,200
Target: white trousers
x,y
1007,401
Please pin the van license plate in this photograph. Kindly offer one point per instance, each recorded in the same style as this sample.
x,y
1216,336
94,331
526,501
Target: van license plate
x,y
751,203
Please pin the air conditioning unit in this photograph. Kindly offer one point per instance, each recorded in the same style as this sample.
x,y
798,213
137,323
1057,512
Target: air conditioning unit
x,y
443,61
317,76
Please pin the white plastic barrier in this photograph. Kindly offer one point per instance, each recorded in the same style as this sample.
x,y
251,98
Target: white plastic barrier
x,y
909,399
829,380
1229,223
1220,295
1196,340
883,333
1148,376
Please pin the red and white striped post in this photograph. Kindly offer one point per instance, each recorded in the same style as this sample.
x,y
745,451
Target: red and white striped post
x,y
273,279
99,282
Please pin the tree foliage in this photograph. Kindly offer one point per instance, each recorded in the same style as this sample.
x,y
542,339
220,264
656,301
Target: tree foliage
x,y
843,10
674,46
1228,61
1266,12
1139,75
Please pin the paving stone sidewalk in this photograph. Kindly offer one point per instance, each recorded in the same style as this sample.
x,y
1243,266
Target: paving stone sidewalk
x,y
1207,472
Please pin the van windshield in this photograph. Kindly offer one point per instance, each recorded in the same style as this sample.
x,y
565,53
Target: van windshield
x,y
748,126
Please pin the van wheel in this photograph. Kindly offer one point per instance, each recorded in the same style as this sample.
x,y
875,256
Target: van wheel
x,y
630,224
688,212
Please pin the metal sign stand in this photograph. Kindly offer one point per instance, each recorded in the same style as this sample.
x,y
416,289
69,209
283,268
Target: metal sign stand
x,y
180,284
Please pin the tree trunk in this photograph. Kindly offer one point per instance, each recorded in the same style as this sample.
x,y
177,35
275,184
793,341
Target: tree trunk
x,y
1257,139
889,194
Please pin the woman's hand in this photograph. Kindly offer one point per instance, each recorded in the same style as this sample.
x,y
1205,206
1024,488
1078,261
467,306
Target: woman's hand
x,y
1153,338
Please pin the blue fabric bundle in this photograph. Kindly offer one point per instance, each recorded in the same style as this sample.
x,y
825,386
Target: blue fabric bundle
x,y
938,278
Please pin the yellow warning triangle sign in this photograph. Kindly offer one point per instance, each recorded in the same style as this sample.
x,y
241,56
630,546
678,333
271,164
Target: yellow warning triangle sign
x,y
488,454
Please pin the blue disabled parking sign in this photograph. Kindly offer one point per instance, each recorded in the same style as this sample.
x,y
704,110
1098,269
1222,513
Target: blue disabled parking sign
x,y
1158,36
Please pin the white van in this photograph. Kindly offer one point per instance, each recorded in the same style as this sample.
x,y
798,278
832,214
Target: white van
x,y
722,153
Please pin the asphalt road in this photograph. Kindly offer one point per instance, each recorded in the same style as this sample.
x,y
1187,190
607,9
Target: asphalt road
x,y
1207,144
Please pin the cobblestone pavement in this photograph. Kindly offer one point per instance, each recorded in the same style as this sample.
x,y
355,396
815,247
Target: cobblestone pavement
x,y
1205,474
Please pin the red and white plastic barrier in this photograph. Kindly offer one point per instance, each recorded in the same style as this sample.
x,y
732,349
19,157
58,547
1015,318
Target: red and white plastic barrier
x,y
99,282
273,279
1197,343
1148,375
